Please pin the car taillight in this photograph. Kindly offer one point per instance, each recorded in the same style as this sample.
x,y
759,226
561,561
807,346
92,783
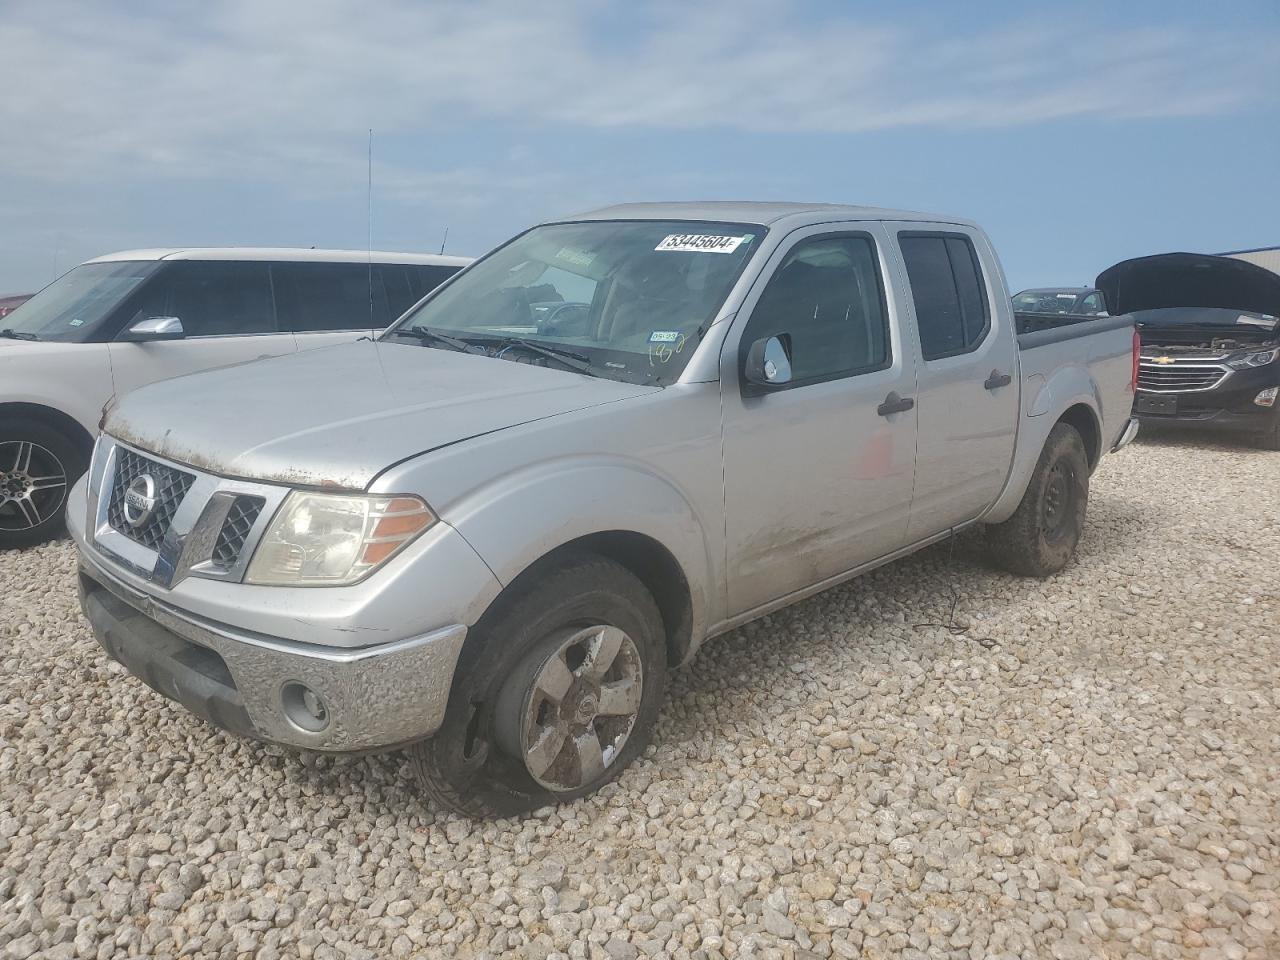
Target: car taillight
x,y
1137,353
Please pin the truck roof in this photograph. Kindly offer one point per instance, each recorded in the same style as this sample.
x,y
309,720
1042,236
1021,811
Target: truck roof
x,y
765,213
281,253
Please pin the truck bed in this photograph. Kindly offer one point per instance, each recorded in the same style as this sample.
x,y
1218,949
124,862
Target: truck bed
x,y
1038,329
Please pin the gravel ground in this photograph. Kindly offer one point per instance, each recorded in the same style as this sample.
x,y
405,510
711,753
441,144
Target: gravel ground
x,y
1087,767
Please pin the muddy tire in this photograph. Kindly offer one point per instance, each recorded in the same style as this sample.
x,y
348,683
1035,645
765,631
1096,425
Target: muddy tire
x,y
556,692
38,465
1041,536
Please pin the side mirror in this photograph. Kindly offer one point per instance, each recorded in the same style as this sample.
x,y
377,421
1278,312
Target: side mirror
x,y
768,363
154,328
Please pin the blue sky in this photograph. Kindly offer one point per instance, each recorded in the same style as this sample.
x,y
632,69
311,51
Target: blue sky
x,y
1077,134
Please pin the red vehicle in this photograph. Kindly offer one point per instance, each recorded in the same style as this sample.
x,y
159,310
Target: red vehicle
x,y
9,304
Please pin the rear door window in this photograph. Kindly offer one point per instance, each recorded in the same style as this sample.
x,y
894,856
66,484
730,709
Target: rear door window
x,y
952,312
407,283
315,297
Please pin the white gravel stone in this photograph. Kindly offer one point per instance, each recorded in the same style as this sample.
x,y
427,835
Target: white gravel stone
x,y
1088,769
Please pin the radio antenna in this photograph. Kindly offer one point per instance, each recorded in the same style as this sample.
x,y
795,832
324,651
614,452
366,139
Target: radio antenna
x,y
369,240
445,240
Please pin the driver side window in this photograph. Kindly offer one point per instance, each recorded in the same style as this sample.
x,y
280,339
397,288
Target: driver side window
x,y
1093,305
826,301
212,298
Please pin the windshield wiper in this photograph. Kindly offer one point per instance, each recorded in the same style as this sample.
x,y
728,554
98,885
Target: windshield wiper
x,y
569,358
10,334
427,335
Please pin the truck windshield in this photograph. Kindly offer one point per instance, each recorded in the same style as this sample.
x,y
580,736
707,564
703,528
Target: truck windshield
x,y
626,300
74,307
1045,301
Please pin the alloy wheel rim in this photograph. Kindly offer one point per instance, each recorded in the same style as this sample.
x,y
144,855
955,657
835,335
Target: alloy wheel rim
x,y
581,708
33,485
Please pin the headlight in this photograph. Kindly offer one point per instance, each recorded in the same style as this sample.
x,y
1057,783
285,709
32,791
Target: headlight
x,y
325,539
1260,359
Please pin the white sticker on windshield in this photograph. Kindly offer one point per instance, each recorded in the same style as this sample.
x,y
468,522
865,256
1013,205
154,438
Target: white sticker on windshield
x,y
664,336
699,243
579,258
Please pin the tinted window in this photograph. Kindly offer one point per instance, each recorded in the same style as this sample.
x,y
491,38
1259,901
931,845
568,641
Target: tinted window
x,y
946,286
1093,305
407,283
212,298
426,278
826,296
330,296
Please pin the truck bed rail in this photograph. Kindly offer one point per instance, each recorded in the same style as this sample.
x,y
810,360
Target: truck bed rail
x,y
1038,329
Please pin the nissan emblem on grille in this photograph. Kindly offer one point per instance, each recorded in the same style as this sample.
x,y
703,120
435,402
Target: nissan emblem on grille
x,y
140,500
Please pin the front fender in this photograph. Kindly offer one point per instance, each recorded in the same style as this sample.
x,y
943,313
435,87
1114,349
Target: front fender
x,y
521,517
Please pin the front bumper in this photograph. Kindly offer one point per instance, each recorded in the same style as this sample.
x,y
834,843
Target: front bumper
x,y
376,659
1126,435
1209,412
1230,406
372,697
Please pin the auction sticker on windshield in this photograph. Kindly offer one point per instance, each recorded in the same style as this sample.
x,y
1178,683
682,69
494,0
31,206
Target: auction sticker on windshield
x,y
699,243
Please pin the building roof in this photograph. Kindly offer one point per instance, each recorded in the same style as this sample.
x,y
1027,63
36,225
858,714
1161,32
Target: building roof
x,y
282,253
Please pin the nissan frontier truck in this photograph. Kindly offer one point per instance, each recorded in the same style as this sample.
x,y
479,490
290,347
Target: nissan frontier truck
x,y
489,534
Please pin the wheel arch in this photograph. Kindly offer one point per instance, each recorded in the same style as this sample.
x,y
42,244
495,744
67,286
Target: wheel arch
x,y
64,423
653,565
1033,434
1082,417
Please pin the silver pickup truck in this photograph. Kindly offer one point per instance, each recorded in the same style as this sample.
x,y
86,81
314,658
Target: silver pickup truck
x,y
489,534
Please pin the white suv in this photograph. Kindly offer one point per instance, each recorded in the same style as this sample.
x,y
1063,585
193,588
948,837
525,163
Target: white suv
x,y
127,319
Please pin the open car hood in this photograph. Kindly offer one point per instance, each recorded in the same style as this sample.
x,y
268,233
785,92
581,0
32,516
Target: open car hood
x,y
1189,280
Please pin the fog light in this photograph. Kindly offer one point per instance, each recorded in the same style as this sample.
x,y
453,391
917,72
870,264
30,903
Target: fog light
x,y
1267,398
304,707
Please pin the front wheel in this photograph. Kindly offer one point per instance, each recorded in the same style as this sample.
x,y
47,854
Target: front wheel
x,y
37,467
556,692
1041,536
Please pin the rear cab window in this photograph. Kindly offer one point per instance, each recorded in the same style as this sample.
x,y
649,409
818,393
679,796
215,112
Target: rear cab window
x,y
948,290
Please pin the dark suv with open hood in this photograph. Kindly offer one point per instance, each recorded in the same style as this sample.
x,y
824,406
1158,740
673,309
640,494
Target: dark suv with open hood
x,y
1210,341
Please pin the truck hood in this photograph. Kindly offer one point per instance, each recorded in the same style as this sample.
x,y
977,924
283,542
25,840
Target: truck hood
x,y
338,416
1189,280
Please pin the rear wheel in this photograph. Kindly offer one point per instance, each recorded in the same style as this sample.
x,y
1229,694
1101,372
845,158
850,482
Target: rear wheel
x,y
38,464
1041,536
556,692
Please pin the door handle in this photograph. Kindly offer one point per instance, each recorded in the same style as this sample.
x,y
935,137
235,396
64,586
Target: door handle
x,y
895,404
997,380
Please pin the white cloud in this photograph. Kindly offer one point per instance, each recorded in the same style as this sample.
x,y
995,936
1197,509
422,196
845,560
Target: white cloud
x,y
283,90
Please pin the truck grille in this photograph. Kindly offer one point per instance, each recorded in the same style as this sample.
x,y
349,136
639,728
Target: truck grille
x,y
170,487
235,530
1179,376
